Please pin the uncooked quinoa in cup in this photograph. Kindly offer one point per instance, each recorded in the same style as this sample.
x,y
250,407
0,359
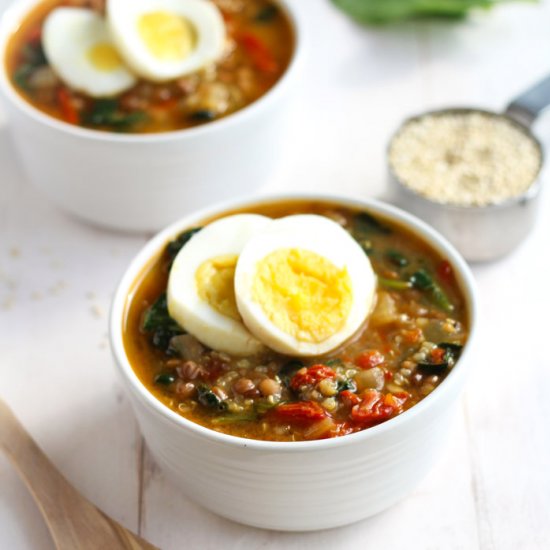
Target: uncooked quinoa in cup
x,y
465,157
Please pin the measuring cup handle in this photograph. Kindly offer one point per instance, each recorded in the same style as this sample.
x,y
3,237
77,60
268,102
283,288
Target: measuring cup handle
x,y
526,107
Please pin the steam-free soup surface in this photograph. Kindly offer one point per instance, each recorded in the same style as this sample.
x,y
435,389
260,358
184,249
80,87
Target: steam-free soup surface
x,y
410,343
258,49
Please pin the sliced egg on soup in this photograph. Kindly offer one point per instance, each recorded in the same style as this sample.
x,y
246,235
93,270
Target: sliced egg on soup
x,y
201,291
303,285
79,48
165,39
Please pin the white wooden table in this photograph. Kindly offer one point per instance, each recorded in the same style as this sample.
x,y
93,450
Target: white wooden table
x,y
490,490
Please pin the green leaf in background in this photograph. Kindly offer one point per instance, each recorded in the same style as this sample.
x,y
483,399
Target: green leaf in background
x,y
387,11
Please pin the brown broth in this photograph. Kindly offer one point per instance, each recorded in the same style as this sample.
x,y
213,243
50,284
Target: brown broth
x,y
261,54
390,339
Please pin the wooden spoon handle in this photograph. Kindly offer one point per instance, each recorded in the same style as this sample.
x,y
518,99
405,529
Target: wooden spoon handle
x,y
73,521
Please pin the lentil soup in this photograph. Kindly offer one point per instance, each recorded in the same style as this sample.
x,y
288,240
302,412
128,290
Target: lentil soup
x,y
405,349
258,48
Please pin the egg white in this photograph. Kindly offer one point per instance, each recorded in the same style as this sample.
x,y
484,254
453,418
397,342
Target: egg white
x,y
321,236
203,15
68,36
217,331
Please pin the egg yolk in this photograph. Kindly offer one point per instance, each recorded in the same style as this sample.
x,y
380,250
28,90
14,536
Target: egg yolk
x,y
215,284
104,57
303,294
168,37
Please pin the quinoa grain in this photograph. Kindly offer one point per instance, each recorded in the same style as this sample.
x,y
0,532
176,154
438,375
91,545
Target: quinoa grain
x,y
465,158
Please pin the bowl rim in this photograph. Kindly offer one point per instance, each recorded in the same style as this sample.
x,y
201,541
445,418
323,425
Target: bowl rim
x,y
154,246
16,12
529,193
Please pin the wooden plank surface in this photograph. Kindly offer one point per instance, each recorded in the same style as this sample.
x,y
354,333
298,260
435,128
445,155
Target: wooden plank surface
x,y
490,489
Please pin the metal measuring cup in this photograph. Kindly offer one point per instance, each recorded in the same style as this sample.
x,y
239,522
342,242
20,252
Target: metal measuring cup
x,y
482,233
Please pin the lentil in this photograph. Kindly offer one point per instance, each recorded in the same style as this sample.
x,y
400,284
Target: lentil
x,y
245,386
269,387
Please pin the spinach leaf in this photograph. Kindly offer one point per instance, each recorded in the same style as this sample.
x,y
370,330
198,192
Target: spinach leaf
x,y
345,385
157,315
202,115
267,14
236,417
263,405
180,241
22,74
105,112
429,369
364,224
422,280
394,284
396,258
162,327
33,56
452,353
165,378
209,399
387,11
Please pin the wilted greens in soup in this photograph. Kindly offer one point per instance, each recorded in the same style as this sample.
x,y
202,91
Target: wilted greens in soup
x,y
409,344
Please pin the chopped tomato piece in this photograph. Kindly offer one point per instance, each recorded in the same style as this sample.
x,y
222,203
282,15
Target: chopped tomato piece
x,y
167,104
259,53
349,398
445,271
376,407
311,376
343,428
302,412
412,336
68,111
437,356
396,400
369,359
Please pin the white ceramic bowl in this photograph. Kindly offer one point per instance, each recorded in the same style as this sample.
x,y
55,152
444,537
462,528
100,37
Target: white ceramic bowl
x,y
296,486
143,182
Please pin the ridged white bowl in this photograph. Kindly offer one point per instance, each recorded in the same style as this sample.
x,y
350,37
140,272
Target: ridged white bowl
x,y
296,486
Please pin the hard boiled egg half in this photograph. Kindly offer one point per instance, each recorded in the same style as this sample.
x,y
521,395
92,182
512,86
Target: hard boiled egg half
x,y
165,39
201,292
79,48
303,285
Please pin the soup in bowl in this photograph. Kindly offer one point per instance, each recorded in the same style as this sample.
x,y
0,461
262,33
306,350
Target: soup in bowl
x,y
131,114
280,350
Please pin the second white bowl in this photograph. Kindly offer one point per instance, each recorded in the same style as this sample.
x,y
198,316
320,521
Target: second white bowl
x,y
143,182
